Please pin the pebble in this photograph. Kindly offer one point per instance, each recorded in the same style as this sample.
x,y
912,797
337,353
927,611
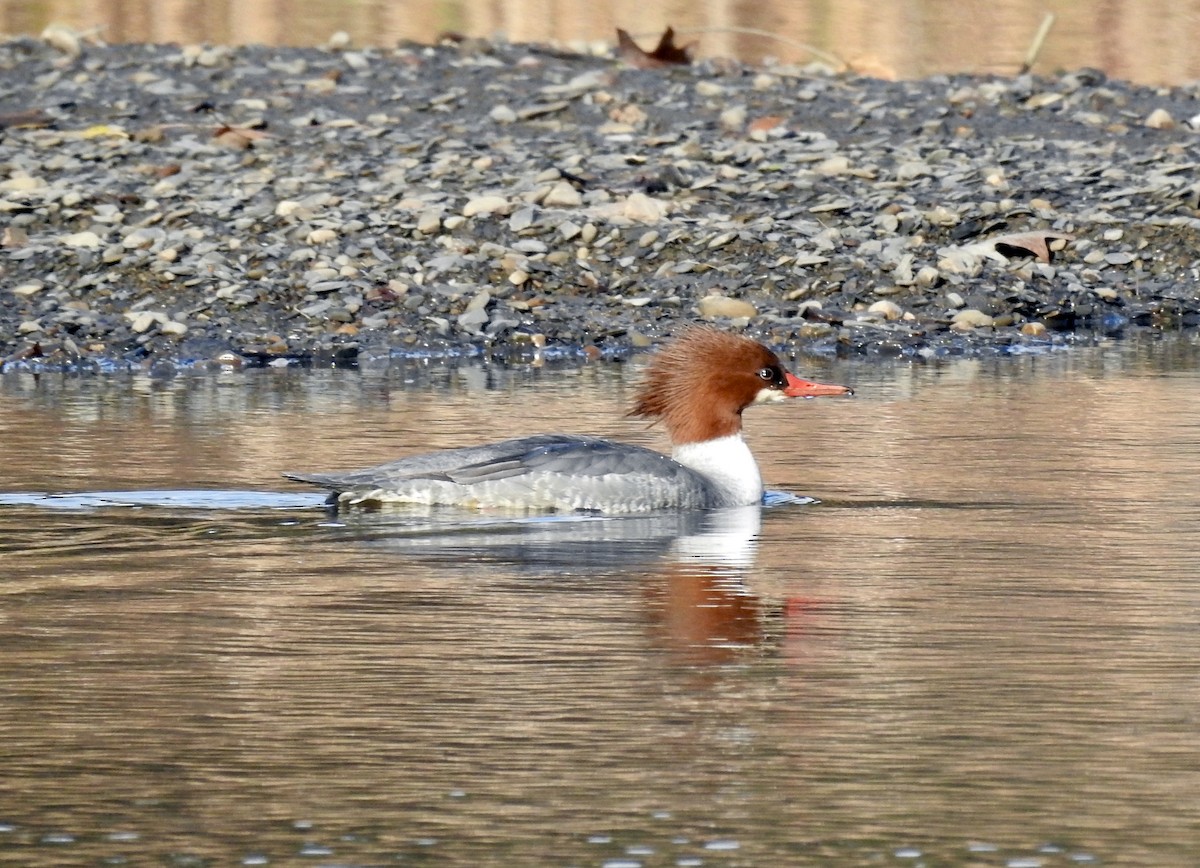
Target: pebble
x,y
502,114
644,209
1160,119
143,321
723,307
487,205
563,195
81,239
321,236
887,309
970,319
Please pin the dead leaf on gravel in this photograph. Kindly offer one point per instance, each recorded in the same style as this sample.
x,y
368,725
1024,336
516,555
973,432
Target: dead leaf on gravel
x,y
1035,244
164,170
765,124
666,53
27,119
239,138
14,236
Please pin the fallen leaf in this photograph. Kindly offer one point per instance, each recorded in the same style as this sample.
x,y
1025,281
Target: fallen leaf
x,y
165,170
765,123
103,131
1035,244
149,135
631,114
27,119
870,66
14,236
665,53
239,138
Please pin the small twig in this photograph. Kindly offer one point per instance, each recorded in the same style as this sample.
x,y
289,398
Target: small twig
x,y
1035,47
824,56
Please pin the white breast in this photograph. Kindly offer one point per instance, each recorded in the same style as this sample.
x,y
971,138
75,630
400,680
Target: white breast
x,y
728,463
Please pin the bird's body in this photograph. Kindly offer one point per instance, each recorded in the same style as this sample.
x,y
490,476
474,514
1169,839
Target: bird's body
x,y
698,386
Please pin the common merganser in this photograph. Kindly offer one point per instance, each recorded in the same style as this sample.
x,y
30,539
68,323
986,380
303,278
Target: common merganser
x,y
698,385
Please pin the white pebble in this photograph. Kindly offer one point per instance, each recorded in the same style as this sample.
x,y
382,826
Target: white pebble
x,y
887,309
563,195
644,209
429,221
721,306
321,236
970,319
1160,119
143,321
81,239
487,205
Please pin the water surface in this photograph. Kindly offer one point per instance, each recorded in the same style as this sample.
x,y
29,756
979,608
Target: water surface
x,y
979,648
1142,40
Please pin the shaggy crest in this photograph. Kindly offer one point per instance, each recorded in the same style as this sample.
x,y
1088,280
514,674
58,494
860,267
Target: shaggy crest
x,y
699,383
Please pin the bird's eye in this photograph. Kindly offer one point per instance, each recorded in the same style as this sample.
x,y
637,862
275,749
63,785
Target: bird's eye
x,y
767,374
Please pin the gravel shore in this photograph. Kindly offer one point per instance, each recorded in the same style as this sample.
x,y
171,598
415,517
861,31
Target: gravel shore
x,y
166,206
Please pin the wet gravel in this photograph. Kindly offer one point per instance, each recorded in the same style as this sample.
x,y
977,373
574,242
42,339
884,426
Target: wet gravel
x,y
166,206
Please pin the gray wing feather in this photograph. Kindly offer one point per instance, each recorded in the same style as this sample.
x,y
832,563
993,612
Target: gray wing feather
x,y
566,454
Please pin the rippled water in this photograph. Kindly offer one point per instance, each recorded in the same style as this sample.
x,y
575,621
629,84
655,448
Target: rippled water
x,y
1149,41
980,648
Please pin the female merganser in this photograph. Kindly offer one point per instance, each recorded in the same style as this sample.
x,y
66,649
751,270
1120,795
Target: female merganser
x,y
698,385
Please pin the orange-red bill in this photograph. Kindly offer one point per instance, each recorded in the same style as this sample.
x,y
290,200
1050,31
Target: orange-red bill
x,y
797,388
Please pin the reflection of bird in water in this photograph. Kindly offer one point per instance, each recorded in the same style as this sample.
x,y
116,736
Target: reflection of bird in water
x,y
699,604
691,567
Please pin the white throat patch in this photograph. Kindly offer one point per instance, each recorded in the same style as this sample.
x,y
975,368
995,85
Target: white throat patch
x,y
728,464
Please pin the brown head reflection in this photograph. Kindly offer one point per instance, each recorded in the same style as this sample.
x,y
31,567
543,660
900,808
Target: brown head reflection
x,y
699,605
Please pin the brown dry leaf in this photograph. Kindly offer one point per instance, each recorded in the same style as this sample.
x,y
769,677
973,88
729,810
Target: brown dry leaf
x,y
665,53
149,135
631,114
869,66
239,138
26,119
14,236
1035,244
765,124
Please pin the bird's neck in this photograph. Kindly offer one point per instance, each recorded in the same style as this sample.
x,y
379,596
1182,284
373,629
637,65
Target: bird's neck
x,y
728,464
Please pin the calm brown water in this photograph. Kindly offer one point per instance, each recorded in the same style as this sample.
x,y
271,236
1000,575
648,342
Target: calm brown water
x,y
1144,40
979,649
